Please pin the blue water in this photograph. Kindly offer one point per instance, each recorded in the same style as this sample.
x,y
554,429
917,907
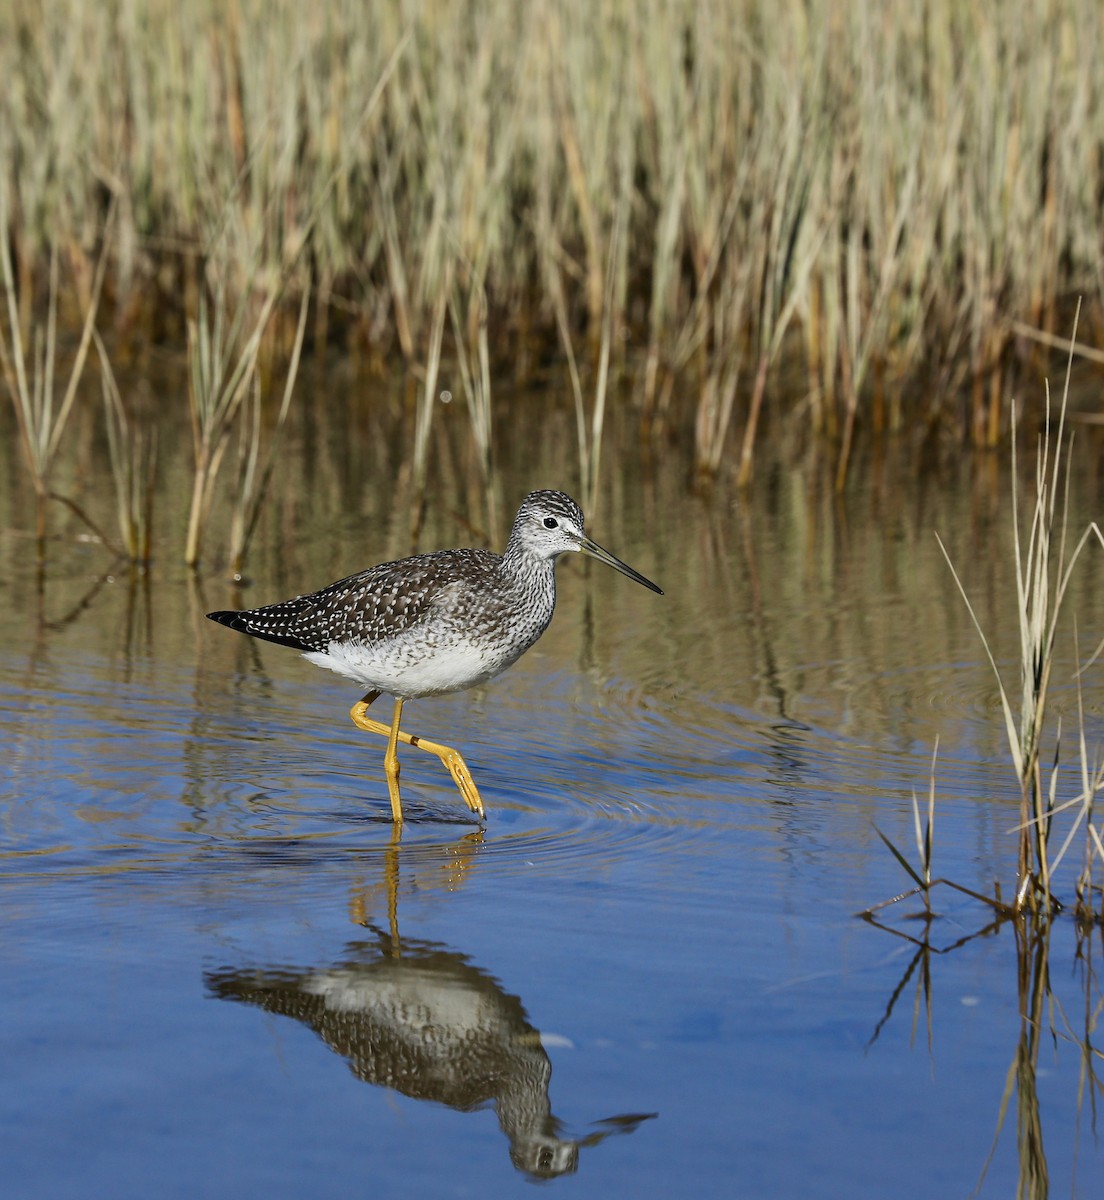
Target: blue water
x,y
224,976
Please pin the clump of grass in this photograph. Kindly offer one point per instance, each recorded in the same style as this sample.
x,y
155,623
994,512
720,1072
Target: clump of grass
x,y
925,845
223,353
468,312
589,432
42,409
752,176
925,883
423,422
254,475
1044,565
132,447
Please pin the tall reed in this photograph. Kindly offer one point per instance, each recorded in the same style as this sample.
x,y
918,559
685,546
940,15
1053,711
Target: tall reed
x,y
254,473
473,358
223,351
41,410
1044,564
132,448
886,186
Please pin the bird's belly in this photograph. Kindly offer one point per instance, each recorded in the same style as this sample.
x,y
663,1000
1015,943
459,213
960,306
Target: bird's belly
x,y
409,668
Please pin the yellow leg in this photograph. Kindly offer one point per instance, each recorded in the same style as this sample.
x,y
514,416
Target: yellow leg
x,y
452,759
391,765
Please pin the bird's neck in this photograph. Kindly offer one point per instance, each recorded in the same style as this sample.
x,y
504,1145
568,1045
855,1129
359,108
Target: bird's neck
x,y
531,572
523,562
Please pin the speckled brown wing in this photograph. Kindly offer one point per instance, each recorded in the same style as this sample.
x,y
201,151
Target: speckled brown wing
x,y
381,602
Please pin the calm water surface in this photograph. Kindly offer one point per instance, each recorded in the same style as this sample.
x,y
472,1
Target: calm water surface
x,y
224,976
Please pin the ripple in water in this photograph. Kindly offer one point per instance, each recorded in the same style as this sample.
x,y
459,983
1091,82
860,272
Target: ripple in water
x,y
576,772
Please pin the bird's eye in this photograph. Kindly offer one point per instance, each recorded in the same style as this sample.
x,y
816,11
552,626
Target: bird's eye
x,y
550,522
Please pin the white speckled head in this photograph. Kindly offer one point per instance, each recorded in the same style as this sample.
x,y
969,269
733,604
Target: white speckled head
x,y
549,524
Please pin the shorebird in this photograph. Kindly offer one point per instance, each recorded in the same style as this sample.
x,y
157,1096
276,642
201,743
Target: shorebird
x,y
435,623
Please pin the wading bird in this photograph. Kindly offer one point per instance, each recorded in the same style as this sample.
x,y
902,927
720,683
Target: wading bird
x,y
435,623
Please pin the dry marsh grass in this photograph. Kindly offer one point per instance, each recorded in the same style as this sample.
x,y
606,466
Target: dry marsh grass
x,y
1045,557
881,188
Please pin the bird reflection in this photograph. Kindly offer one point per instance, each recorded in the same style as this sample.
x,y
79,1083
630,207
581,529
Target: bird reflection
x,y
422,1019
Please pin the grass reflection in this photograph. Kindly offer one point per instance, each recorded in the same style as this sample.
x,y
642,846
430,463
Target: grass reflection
x,y
1042,1021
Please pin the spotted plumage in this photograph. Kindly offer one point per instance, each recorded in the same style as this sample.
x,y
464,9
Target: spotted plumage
x,y
434,623
394,619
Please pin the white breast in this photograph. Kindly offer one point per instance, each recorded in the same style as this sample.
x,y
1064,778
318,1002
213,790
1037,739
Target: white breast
x,y
412,666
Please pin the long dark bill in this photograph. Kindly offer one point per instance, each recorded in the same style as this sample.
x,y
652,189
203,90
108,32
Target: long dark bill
x,y
595,551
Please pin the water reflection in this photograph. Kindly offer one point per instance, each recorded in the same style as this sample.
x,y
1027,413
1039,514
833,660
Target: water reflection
x,y
423,1019
1043,1021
